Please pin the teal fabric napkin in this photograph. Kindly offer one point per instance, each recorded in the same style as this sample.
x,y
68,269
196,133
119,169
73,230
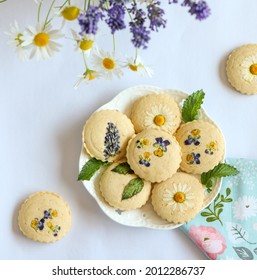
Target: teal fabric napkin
x,y
227,228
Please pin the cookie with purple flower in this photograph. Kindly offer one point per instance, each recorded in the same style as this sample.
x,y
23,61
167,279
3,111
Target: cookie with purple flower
x,y
154,155
106,134
202,145
44,217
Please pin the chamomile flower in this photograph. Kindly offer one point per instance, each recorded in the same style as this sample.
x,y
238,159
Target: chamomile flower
x,y
107,64
159,116
86,77
17,42
179,197
249,68
137,66
41,41
83,43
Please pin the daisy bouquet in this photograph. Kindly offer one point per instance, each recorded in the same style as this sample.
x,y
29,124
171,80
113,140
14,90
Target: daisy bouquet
x,y
140,18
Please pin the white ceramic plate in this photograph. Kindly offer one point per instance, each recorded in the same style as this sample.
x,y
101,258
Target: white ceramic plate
x,y
145,216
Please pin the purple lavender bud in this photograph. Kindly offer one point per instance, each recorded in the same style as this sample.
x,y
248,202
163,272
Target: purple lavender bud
x,y
116,16
155,15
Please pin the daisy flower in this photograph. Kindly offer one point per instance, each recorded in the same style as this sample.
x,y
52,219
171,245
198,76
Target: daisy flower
x,y
83,43
106,64
137,65
17,42
159,116
179,198
249,68
86,77
245,207
41,41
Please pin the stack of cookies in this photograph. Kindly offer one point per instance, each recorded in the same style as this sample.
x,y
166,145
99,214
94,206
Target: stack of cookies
x,y
153,153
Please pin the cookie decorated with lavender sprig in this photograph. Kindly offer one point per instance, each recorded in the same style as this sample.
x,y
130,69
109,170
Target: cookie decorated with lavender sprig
x,y
154,155
158,111
44,217
106,134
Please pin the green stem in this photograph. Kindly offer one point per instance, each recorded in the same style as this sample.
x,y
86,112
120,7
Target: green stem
x,y
135,60
85,61
39,11
114,43
85,5
48,14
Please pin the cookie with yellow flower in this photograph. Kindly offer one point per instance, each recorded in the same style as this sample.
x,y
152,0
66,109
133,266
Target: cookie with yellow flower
x,y
154,155
178,199
159,111
122,189
241,69
202,145
44,217
106,134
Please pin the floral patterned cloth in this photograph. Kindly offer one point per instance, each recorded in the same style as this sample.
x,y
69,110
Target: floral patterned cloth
x,y
227,228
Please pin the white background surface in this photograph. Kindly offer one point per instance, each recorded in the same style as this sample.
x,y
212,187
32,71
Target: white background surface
x,y
41,119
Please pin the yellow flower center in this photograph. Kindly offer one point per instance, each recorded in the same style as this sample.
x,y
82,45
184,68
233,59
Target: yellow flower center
x,y
133,67
195,132
86,45
189,157
70,13
212,145
179,197
144,141
147,155
41,39
91,77
54,213
253,69
158,152
159,120
108,63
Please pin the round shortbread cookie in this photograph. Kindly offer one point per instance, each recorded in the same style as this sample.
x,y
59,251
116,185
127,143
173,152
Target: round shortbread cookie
x,y
178,199
159,111
202,145
106,134
241,69
154,155
122,189
44,217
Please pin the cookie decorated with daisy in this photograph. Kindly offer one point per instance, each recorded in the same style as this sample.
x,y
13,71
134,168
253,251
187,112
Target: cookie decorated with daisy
x,y
158,111
178,199
241,69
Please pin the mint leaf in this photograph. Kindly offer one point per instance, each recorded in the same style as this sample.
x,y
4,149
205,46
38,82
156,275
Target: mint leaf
x,y
221,170
132,188
192,105
90,168
123,168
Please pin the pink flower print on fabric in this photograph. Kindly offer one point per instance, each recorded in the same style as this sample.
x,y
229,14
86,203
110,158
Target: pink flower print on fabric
x,y
209,240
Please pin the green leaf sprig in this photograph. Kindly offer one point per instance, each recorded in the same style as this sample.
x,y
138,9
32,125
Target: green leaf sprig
x,y
123,168
192,105
90,168
210,178
213,214
133,187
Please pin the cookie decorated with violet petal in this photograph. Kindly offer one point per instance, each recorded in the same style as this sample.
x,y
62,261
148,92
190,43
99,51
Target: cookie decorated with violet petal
x,y
154,155
44,217
122,189
241,69
202,145
158,111
106,134
178,199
